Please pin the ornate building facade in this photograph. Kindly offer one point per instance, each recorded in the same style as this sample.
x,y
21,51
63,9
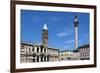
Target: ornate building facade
x,y
39,52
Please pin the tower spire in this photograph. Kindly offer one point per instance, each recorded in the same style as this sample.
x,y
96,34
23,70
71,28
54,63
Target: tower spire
x,y
45,27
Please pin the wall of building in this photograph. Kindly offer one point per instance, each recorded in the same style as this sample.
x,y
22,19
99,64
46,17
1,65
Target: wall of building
x,y
69,55
37,53
84,53
54,54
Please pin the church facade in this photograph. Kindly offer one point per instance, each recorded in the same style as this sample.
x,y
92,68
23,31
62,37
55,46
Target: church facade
x,y
39,52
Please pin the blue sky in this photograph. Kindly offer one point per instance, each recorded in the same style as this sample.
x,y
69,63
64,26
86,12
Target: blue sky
x,y
60,27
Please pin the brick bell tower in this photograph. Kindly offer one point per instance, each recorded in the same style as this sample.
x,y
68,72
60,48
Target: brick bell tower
x,y
45,36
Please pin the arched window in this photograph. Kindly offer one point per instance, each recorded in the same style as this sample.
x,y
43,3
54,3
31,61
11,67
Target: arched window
x,y
45,58
41,58
33,49
41,48
45,50
37,49
37,58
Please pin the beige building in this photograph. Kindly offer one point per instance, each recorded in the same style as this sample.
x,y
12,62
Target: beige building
x,y
53,54
84,52
33,53
69,55
37,53
26,52
65,55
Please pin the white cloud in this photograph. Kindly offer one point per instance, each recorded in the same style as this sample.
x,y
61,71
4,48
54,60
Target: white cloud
x,y
62,34
70,41
68,47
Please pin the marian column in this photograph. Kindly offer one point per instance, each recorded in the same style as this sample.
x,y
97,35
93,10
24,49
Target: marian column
x,y
76,31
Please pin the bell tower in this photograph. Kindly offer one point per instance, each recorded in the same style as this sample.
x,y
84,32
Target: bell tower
x,y
45,36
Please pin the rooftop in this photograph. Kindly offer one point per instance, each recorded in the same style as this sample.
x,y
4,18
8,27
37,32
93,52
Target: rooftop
x,y
84,46
53,48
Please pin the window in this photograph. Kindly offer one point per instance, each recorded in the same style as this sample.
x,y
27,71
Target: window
x,y
22,46
33,55
69,58
61,54
45,58
37,49
29,49
44,50
61,58
41,49
33,60
37,59
33,49
41,59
